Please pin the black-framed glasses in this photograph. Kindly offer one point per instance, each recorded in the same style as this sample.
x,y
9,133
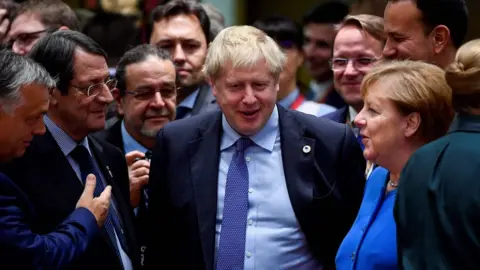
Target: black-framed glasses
x,y
361,63
149,93
97,88
26,39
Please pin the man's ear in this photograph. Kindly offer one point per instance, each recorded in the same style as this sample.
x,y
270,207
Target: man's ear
x,y
211,82
441,37
119,100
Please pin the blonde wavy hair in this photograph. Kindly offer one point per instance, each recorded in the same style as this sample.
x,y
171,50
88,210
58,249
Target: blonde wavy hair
x,y
243,47
416,87
463,76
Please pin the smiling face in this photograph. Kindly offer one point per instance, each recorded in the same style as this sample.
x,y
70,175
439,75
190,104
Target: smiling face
x,y
381,125
76,113
26,121
353,43
150,101
246,96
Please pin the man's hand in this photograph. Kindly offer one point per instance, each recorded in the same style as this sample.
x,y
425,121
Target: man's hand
x,y
138,171
98,206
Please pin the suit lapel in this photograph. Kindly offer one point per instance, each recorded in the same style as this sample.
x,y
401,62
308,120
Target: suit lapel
x,y
298,156
204,161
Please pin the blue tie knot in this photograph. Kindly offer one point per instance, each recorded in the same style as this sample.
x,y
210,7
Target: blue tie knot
x,y
243,143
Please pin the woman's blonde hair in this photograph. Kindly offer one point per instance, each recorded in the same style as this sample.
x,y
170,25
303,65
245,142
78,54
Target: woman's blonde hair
x,y
463,76
416,87
243,47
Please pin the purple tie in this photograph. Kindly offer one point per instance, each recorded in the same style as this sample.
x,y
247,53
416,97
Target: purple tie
x,y
231,250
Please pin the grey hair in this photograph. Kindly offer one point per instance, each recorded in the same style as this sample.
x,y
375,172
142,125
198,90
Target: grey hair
x,y
15,72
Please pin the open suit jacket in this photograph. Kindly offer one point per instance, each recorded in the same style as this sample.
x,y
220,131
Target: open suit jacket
x,y
20,248
113,135
325,186
437,208
53,188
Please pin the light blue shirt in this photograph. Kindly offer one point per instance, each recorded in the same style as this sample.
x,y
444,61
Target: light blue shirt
x,y
189,102
274,239
67,145
129,143
287,101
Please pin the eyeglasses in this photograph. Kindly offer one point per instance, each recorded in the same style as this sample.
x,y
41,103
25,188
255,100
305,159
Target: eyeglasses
x,y
25,39
149,93
95,89
360,64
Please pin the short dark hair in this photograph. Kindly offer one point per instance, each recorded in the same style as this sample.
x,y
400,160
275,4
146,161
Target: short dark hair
x,y
331,12
56,52
281,29
182,7
136,55
116,34
52,13
451,13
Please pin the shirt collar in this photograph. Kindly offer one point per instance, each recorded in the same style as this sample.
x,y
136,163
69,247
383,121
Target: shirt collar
x,y
129,143
352,113
265,138
189,101
66,143
287,101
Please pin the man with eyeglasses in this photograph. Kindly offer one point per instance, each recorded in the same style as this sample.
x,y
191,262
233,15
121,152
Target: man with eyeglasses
x,y
66,153
37,18
146,98
357,47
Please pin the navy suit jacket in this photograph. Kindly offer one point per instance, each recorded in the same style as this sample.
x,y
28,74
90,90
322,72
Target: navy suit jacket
x,y
325,186
339,116
20,248
57,193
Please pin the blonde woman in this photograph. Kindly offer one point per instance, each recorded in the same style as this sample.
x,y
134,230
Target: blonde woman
x,y
406,105
438,207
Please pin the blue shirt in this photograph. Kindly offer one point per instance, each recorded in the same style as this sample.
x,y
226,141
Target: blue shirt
x,y
189,102
287,101
129,143
274,239
371,243
67,145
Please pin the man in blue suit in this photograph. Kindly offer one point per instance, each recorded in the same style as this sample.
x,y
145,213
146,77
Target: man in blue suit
x,y
254,186
24,99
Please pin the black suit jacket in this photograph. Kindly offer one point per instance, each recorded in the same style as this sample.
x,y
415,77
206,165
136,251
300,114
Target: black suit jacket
x,y
53,188
325,186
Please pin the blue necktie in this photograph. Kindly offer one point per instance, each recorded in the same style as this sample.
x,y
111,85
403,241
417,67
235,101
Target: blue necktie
x,y
231,250
112,224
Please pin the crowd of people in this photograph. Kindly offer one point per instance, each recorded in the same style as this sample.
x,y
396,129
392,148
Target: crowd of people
x,y
215,156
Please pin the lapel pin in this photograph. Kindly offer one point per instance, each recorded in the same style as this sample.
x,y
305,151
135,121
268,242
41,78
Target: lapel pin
x,y
306,149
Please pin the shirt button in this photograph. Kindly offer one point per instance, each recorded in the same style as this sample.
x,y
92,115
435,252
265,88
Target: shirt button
x,y
250,190
353,256
247,158
250,222
249,254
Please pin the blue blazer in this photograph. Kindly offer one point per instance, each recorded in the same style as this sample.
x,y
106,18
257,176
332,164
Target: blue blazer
x,y
22,248
325,186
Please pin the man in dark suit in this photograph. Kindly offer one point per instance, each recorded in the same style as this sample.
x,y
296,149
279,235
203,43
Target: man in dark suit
x,y
24,98
66,153
183,28
145,95
255,185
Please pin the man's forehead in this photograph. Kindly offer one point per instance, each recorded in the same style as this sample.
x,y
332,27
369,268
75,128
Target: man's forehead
x,y
26,22
182,26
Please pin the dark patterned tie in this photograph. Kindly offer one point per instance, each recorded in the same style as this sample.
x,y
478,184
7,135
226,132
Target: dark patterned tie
x,y
112,224
231,250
